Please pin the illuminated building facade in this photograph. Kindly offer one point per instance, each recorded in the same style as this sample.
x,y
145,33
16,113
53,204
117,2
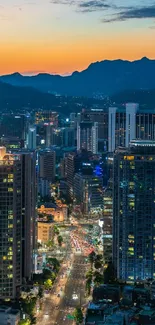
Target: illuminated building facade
x,y
87,136
47,117
10,224
59,211
101,117
14,125
31,140
129,123
88,193
107,225
45,231
72,166
17,219
134,211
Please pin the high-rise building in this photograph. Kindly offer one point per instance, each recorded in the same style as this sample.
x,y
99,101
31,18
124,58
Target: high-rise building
x,y
129,123
17,220
10,224
51,117
88,193
29,202
87,136
72,166
101,117
47,162
14,125
134,211
107,224
31,141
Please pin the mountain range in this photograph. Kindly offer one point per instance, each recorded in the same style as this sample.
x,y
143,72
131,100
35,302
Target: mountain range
x,y
105,77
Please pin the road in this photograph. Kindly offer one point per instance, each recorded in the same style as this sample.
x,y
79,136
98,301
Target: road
x,y
55,310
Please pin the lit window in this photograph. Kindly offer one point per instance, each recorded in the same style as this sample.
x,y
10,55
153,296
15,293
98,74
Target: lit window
x,y
10,175
10,180
10,189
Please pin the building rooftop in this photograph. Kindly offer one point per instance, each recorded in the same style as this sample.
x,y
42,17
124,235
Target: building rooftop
x,y
142,143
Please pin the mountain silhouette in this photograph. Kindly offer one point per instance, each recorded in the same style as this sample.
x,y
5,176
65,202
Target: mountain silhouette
x,y
105,77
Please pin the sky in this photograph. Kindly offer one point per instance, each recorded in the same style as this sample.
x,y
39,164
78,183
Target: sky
x,y
62,36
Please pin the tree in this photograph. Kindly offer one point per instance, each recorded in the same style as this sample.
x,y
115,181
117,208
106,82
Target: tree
x,y
89,274
88,285
60,240
28,305
54,262
56,230
33,320
47,274
109,274
91,258
98,264
78,315
24,322
49,244
99,257
40,293
98,278
48,284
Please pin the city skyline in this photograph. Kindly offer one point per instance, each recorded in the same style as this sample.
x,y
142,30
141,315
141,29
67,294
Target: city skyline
x,y
63,36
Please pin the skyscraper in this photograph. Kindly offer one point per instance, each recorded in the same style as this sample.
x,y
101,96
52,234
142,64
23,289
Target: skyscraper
x,y
17,219
47,161
87,136
10,224
134,211
31,142
29,201
88,193
107,224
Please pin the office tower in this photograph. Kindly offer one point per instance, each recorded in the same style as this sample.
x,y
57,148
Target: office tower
x,y
134,211
50,117
73,163
10,224
101,117
68,137
63,137
47,162
48,133
12,143
87,136
107,224
128,123
29,202
14,126
73,120
131,110
31,141
88,193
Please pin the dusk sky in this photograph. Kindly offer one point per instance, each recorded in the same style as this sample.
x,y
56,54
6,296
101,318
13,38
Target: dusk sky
x,y
60,36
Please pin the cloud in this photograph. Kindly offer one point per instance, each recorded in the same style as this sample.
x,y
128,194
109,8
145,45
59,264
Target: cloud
x,y
93,5
132,13
84,5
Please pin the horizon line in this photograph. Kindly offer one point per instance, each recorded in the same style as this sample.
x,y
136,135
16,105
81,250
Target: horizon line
x,y
34,73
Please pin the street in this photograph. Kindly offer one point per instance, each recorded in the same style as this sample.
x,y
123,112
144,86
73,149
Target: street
x,y
72,283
